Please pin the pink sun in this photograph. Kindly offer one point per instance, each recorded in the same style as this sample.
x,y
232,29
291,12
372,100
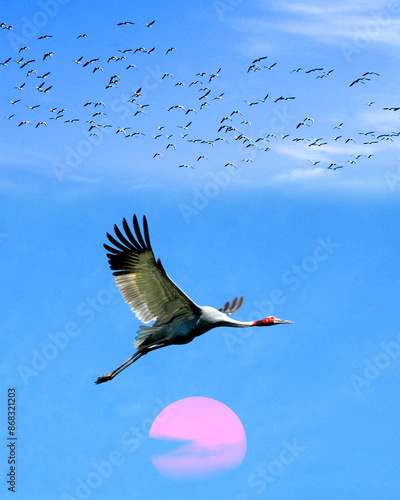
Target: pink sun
x,y
213,438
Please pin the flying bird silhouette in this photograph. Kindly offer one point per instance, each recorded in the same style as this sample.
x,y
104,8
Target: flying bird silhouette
x,y
152,295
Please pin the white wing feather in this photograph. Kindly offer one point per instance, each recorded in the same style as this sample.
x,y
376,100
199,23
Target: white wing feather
x,y
142,280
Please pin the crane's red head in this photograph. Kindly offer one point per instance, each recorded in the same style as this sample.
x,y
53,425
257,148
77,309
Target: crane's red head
x,y
271,320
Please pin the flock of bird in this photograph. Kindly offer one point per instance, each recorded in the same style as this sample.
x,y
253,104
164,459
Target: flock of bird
x,y
36,73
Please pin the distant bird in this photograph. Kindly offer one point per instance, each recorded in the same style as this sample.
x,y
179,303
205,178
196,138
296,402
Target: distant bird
x,y
20,87
215,75
78,61
150,24
314,69
259,59
124,23
84,35
24,122
6,61
90,62
49,54
26,63
370,73
123,130
41,123
186,126
281,98
23,48
359,80
45,75
314,162
339,126
158,154
152,295
170,50
253,67
42,37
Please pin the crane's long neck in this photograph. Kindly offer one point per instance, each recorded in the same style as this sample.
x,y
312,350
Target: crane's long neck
x,y
236,324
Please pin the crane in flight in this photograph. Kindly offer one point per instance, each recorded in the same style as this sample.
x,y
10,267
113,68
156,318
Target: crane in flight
x,y
152,295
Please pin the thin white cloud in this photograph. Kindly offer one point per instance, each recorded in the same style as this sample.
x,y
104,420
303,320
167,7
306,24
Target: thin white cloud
x,y
300,174
354,22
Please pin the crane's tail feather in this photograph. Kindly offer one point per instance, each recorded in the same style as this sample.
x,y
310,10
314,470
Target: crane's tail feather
x,y
231,308
148,335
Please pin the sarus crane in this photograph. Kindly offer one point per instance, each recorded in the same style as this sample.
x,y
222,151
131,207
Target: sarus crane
x,y
152,295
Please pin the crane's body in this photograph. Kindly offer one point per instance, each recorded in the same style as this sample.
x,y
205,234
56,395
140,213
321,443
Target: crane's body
x,y
152,295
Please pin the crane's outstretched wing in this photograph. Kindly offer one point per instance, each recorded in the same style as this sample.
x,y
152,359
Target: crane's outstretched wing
x,y
233,307
142,280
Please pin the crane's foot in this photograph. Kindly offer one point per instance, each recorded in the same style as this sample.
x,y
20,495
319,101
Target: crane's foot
x,y
104,378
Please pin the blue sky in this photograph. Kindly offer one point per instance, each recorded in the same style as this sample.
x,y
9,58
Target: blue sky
x,y
300,241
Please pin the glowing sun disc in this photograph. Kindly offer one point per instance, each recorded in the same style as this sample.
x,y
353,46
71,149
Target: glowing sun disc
x,y
209,438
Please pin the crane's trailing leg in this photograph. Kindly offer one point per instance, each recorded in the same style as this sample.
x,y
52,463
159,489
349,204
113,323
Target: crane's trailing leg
x,y
132,359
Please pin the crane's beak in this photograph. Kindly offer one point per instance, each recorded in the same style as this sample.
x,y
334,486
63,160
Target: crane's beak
x,y
281,321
